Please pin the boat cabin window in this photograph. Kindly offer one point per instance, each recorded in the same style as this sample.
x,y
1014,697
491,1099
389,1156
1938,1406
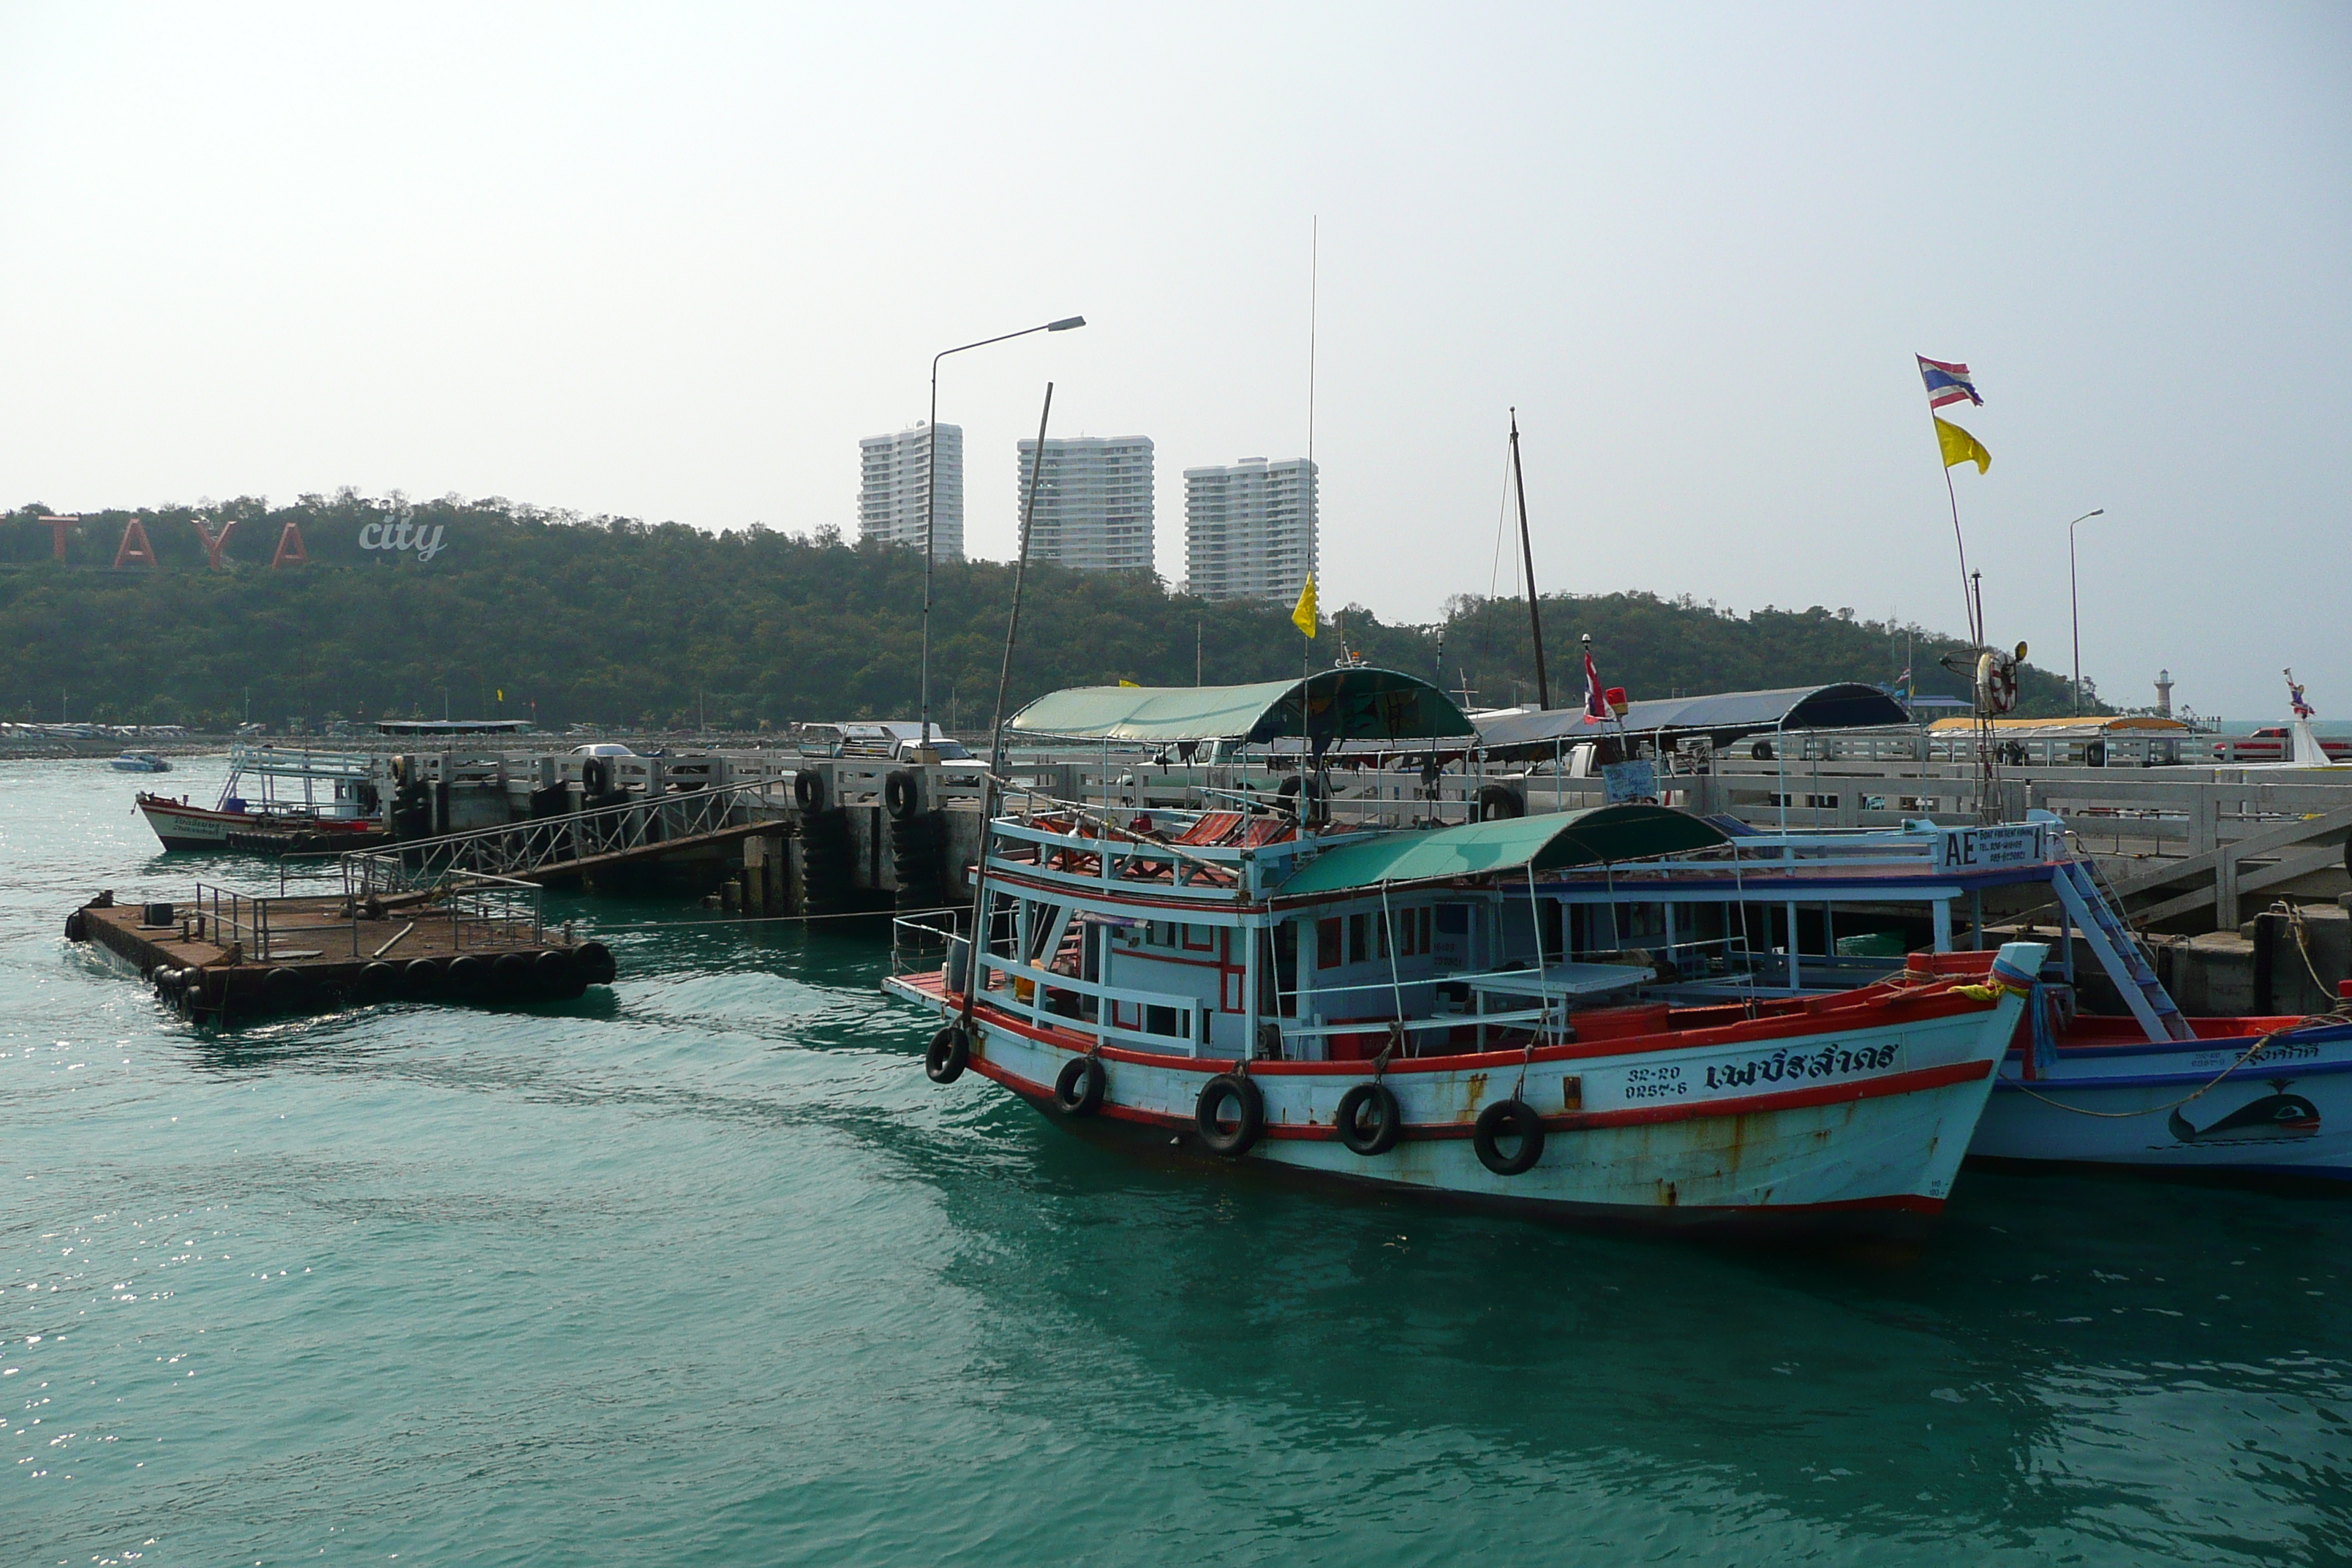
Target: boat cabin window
x,y
1327,944
1414,937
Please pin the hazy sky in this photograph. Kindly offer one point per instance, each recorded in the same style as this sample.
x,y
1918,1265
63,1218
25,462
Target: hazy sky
x,y
673,261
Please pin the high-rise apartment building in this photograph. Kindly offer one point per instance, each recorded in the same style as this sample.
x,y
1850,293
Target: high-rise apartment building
x,y
1094,501
893,473
1249,529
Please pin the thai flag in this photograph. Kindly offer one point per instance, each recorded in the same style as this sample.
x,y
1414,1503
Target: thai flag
x,y
1596,705
1947,384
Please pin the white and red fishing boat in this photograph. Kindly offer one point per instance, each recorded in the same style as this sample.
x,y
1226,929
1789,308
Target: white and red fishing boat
x,y
299,799
1393,1007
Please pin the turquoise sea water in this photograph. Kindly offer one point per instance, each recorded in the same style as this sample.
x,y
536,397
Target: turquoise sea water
x,y
702,1269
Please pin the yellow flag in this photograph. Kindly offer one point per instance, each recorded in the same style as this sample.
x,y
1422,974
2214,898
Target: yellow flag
x,y
1959,446
1136,684
1303,618
502,697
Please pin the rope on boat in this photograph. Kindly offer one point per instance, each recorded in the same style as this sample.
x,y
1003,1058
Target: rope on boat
x,y
2247,1055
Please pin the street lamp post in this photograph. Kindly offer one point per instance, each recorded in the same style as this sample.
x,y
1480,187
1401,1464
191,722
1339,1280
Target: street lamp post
x,y
2075,605
930,498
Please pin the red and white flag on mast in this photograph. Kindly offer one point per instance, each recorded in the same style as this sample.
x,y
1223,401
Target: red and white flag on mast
x,y
1596,703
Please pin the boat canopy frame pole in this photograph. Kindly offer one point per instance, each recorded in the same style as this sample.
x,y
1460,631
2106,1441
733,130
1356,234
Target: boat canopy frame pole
x,y
996,725
1527,560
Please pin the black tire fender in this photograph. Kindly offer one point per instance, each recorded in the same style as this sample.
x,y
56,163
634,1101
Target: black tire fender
x,y
596,963
1078,1086
902,794
77,927
511,973
1249,1114
379,979
467,975
1508,1118
808,791
1373,1133
1496,803
281,986
421,977
949,1053
556,972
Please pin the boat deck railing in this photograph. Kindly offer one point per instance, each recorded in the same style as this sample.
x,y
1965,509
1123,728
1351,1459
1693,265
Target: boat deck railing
x,y
1099,858
481,911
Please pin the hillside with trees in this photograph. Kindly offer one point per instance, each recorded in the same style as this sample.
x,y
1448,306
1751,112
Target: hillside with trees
x,y
418,608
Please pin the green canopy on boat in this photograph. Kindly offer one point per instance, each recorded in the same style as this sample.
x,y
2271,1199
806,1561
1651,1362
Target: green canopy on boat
x,y
1516,844
1350,704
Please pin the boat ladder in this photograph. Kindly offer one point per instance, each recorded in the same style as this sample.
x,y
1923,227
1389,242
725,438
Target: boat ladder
x,y
2118,952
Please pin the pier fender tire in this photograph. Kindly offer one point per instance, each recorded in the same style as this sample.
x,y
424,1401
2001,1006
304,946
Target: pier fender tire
x,y
511,974
1508,1118
950,1054
808,792
378,981
596,963
421,978
467,975
1496,803
902,794
281,987
1078,1086
77,927
1249,1114
1369,1120
555,972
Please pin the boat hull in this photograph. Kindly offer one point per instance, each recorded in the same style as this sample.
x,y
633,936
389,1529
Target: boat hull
x,y
2285,1112
184,827
1860,1129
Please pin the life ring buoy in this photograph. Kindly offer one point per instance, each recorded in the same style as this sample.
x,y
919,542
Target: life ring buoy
x,y
1248,1122
1508,1118
1996,682
1078,1086
808,791
902,794
1369,1120
949,1053
1496,803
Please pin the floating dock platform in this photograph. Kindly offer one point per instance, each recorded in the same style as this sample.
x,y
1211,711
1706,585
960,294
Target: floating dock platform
x,y
229,955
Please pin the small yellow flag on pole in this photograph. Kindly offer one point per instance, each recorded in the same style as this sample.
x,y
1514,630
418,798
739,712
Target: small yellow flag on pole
x,y
1959,446
1136,684
1303,618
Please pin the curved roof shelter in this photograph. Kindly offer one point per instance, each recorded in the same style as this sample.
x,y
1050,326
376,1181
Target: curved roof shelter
x,y
1549,843
1350,704
1724,715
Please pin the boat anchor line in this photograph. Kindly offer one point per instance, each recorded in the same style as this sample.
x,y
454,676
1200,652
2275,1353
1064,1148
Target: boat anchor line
x,y
2244,1057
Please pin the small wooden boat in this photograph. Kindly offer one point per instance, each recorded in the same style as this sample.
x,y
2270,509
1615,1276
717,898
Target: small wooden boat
x,y
303,801
1392,1007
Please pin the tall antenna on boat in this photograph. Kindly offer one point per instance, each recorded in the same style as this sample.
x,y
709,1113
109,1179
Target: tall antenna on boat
x,y
1528,558
996,724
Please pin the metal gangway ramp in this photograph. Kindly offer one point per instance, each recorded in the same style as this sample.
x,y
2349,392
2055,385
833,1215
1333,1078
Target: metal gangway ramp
x,y
559,848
